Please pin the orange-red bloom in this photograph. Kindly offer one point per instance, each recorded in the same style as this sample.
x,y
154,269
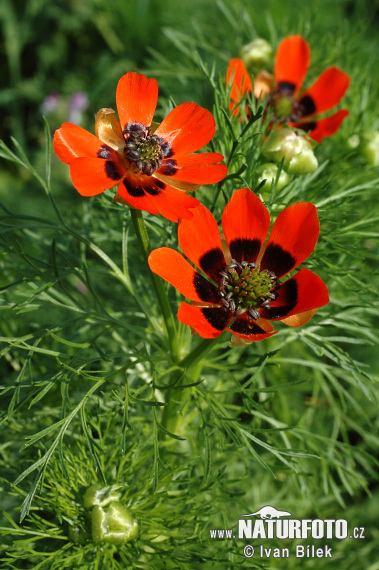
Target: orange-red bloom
x,y
288,101
238,286
153,165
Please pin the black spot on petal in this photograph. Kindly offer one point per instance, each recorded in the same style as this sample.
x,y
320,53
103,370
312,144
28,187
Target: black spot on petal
x,y
105,152
133,189
243,326
286,301
152,190
308,126
134,127
160,184
167,150
245,249
205,289
217,318
168,167
308,105
286,87
112,170
278,260
212,263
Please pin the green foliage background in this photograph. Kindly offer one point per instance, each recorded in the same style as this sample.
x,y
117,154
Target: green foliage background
x,y
290,422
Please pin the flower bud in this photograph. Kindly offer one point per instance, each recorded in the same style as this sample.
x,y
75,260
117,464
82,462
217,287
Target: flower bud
x,y
257,55
295,149
369,148
353,141
115,525
269,172
98,495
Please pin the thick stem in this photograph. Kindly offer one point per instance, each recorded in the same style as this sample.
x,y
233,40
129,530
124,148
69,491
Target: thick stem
x,y
171,417
168,318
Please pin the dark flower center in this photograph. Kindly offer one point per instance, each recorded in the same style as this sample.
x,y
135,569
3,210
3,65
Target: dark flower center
x,y
285,107
244,289
143,151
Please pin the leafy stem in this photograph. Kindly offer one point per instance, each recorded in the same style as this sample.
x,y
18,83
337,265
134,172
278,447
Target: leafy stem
x,y
189,367
168,318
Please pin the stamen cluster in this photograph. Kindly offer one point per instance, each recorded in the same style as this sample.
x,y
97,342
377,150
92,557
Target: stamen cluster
x,y
143,150
285,107
245,289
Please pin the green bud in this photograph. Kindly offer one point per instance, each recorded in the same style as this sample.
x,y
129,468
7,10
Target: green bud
x,y
296,150
257,55
98,495
353,141
115,525
369,148
269,172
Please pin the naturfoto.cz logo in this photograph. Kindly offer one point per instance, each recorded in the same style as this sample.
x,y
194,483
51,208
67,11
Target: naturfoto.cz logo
x,y
273,523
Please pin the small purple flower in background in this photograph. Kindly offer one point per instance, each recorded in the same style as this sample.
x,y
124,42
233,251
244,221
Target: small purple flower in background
x,y
50,103
78,104
63,109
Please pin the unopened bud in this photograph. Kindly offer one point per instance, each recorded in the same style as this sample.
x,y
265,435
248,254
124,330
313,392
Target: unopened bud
x,y
369,148
257,55
98,495
353,141
295,149
269,172
114,525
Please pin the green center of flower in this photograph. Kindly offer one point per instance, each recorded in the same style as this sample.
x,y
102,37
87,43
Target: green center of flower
x,y
283,106
143,151
244,289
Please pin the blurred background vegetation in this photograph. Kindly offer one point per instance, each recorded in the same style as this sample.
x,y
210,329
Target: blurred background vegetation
x,y
64,309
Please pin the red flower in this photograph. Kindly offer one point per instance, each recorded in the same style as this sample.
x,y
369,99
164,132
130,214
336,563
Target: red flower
x,y
239,287
152,165
288,102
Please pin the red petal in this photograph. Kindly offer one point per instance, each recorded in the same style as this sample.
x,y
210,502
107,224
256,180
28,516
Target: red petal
x,y
251,330
195,168
326,92
71,141
207,322
171,266
136,99
91,176
292,239
238,77
150,194
327,127
202,174
185,187
201,171
174,204
132,192
304,292
187,128
245,222
200,241
291,62
200,159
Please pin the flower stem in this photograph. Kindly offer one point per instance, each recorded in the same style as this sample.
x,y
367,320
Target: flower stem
x,y
168,318
171,417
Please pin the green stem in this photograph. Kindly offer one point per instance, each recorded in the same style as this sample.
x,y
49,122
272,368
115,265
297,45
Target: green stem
x,y
171,416
168,318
